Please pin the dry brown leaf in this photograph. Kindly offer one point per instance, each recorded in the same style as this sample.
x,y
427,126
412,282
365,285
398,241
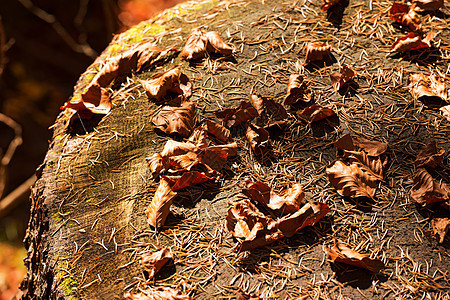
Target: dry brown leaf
x,y
406,16
315,113
427,88
317,51
158,293
328,3
215,157
270,112
174,148
288,201
153,262
352,180
258,138
354,143
441,226
430,155
374,164
245,221
201,43
343,77
156,164
217,130
159,208
180,120
169,84
446,112
426,190
97,102
186,179
341,253
183,162
427,5
412,41
198,138
298,90
237,115
309,214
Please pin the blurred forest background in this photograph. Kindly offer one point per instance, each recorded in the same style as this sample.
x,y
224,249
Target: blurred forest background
x,y
44,46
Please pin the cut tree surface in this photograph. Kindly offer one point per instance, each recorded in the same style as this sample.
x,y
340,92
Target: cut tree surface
x,y
89,229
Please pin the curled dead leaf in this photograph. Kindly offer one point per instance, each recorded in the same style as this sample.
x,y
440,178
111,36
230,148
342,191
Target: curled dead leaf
x,y
174,148
341,253
180,120
327,4
215,157
427,5
406,16
342,78
354,143
317,51
258,138
153,262
158,293
183,162
245,221
373,164
426,190
237,115
169,84
441,226
201,43
298,91
270,112
412,41
288,201
159,208
217,130
430,155
315,113
309,214
352,180
427,88
198,138
156,164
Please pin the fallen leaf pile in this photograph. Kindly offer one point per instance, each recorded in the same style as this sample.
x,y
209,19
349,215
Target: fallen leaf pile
x,y
255,229
201,43
341,253
96,99
360,170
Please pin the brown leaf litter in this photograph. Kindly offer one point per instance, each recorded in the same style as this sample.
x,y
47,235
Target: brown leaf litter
x,y
153,262
200,44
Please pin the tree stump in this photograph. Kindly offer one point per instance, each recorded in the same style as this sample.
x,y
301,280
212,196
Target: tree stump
x,y
88,227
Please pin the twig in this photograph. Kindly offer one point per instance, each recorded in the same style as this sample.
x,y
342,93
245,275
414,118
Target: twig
x,y
15,197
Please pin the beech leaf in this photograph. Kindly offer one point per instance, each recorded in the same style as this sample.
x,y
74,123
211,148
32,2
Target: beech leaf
x,y
270,112
406,16
427,88
317,51
430,155
342,78
315,113
215,157
309,214
182,162
258,138
237,115
354,143
352,180
426,190
373,164
341,253
168,84
412,41
198,138
178,120
158,293
159,208
153,262
156,164
441,227
220,132
201,43
298,91
288,201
